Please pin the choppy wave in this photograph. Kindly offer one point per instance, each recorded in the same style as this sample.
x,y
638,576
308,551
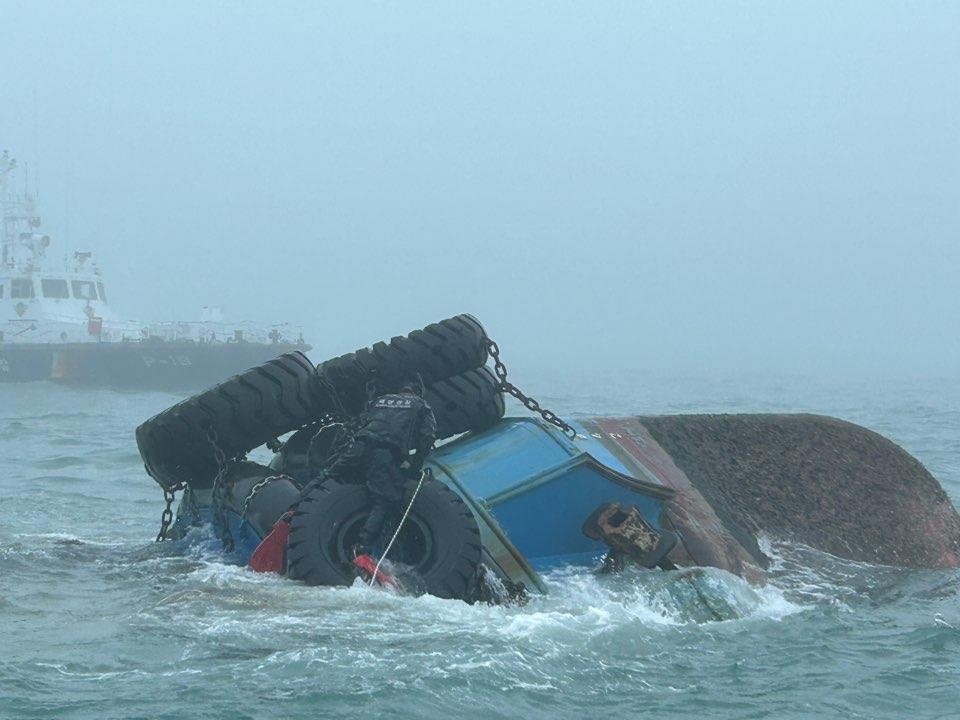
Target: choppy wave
x,y
100,622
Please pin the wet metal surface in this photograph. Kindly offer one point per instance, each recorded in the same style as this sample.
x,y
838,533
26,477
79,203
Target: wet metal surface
x,y
704,538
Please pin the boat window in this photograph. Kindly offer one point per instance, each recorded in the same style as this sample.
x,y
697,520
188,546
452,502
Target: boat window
x,y
53,288
21,288
84,290
103,295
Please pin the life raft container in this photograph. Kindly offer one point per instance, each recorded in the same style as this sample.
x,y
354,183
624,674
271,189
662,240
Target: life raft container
x,y
181,444
439,540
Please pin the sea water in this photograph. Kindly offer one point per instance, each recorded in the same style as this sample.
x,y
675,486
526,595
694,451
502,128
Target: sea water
x,y
97,621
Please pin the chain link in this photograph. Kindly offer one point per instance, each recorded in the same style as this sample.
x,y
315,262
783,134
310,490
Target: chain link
x,y
257,488
219,492
247,500
338,411
218,454
166,518
528,402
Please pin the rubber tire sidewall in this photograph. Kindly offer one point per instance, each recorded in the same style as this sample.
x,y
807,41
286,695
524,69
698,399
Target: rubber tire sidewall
x,y
244,411
452,567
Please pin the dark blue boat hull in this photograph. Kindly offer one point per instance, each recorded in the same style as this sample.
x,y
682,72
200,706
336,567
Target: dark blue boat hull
x,y
147,365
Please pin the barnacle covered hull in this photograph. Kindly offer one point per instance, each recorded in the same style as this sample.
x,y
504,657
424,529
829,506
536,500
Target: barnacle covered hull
x,y
827,483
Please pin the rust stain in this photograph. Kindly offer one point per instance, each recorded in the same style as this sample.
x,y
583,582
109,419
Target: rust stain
x,y
705,540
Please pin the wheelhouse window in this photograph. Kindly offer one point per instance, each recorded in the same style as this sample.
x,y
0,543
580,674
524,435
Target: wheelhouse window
x,y
103,295
21,288
54,288
84,290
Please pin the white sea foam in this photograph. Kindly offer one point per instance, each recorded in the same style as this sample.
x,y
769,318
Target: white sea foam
x,y
62,537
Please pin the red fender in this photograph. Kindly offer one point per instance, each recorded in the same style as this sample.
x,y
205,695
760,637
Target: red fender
x,y
271,553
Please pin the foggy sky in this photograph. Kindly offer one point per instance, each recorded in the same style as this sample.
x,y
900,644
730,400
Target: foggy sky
x,y
654,186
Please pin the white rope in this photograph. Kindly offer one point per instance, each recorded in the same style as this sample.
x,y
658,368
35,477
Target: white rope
x,y
423,474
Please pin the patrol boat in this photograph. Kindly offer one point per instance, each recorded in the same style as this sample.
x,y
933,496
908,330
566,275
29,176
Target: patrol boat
x,y
56,323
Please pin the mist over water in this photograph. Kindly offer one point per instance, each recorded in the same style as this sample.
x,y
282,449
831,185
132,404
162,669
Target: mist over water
x,y
653,208
100,622
646,185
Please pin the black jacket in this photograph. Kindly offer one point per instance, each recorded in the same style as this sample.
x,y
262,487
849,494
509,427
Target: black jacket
x,y
403,421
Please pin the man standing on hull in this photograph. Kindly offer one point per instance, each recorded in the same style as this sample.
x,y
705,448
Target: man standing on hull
x,y
396,433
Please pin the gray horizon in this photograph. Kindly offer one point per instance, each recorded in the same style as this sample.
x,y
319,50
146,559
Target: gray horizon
x,y
688,188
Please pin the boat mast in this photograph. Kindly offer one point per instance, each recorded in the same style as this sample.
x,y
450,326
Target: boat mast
x,y
15,211
7,166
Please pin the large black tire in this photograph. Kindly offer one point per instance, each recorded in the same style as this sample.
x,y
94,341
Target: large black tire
x,y
270,502
470,401
437,352
440,538
243,412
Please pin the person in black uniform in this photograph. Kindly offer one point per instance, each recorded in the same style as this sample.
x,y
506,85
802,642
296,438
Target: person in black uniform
x,y
395,435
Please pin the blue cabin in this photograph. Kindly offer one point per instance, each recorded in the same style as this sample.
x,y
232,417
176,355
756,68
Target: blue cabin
x,y
540,486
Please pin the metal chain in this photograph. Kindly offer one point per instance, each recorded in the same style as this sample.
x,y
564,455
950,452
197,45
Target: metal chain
x,y
188,505
166,518
324,382
218,454
219,491
528,402
247,500
257,488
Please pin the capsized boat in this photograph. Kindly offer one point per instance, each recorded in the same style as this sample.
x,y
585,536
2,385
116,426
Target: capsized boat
x,y
502,499
522,494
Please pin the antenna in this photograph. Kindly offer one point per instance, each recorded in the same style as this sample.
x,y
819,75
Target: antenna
x,y
66,199
36,150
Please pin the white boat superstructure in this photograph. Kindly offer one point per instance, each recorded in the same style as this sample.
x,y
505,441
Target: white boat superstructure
x,y
45,298
49,297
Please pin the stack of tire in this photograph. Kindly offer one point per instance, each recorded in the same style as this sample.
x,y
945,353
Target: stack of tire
x,y
179,445
188,442
447,357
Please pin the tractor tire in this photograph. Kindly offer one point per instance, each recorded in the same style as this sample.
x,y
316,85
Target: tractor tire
x,y
239,414
437,352
440,539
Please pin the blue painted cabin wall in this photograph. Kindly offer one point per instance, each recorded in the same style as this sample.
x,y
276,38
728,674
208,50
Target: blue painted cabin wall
x,y
545,522
540,486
